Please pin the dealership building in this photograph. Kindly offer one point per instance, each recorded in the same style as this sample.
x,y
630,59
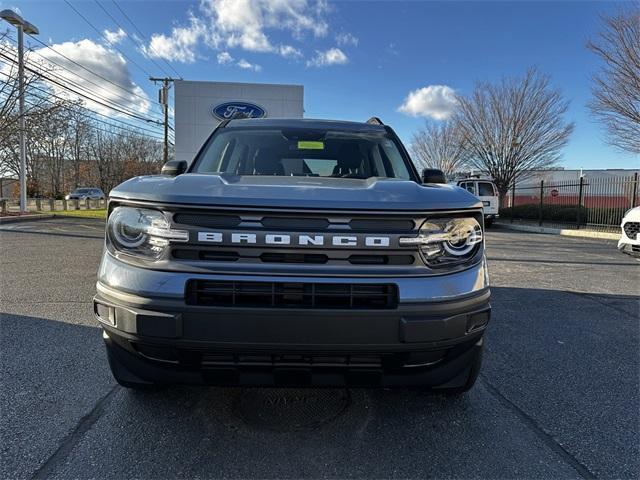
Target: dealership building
x,y
201,106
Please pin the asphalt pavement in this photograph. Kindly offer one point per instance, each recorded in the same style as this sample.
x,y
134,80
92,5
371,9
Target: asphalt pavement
x,y
558,395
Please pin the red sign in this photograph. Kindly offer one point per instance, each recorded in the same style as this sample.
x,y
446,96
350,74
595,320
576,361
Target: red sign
x,y
554,193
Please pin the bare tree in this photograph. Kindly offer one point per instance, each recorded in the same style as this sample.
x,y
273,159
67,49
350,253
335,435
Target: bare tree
x,y
80,135
513,127
439,145
616,89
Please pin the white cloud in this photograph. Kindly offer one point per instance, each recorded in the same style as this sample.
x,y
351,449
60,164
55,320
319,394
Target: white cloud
x,y
347,39
242,24
435,101
180,46
224,57
289,52
115,37
248,66
333,56
106,63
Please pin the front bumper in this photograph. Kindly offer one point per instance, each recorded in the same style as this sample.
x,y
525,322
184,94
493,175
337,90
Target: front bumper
x,y
630,248
429,339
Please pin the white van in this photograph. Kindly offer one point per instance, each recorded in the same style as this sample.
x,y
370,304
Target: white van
x,y
486,191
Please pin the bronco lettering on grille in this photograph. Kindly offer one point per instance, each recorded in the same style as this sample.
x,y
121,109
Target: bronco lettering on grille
x,y
304,240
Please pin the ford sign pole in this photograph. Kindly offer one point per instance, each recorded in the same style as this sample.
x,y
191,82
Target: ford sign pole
x,y
23,27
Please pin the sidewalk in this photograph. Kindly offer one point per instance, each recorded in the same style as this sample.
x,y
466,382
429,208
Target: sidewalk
x,y
569,232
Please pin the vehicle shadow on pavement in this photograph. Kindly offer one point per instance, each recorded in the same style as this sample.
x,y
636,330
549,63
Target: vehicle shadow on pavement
x,y
558,396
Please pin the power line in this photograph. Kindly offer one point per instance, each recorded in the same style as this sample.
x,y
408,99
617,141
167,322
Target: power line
x,y
134,129
119,110
49,94
86,93
84,68
104,36
144,37
127,34
128,99
90,125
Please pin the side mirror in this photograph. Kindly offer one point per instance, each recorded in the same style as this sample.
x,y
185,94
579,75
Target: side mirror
x,y
432,175
174,168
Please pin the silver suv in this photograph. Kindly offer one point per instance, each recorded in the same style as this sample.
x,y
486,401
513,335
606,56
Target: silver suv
x,y
294,253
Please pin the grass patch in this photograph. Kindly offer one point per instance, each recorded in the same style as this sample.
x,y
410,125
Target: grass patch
x,y
101,213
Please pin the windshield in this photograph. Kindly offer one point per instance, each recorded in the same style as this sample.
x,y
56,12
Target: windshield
x,y
303,152
82,190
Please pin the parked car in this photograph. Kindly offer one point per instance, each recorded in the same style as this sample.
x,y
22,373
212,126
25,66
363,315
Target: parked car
x,y
487,192
294,253
629,243
86,194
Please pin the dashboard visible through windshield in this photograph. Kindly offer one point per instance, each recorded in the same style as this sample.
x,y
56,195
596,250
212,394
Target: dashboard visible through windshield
x,y
303,152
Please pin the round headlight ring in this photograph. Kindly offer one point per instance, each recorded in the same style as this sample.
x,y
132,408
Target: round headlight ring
x,y
465,235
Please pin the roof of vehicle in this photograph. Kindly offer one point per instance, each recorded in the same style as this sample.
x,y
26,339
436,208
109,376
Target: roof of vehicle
x,y
475,179
305,123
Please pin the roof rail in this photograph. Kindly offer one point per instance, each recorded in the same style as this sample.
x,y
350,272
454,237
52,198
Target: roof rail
x,y
375,121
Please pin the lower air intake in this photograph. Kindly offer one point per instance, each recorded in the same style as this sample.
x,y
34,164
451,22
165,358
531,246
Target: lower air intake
x,y
291,295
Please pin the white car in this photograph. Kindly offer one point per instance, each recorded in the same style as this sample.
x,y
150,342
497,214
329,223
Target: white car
x,y
629,243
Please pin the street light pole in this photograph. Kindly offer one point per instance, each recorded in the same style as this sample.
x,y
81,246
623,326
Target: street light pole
x,y
22,126
23,27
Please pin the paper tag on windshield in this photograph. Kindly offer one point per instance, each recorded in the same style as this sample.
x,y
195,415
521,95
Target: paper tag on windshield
x,y
310,145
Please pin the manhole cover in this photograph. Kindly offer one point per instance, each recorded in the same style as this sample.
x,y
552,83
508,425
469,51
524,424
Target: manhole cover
x,y
288,409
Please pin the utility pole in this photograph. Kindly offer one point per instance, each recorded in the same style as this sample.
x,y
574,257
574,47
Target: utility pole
x,y
163,98
22,26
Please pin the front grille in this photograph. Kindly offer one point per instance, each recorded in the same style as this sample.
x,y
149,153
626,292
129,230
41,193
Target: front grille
x,y
275,257
295,223
291,295
218,255
631,229
268,241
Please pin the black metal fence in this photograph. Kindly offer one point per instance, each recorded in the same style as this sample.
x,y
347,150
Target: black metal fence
x,y
589,203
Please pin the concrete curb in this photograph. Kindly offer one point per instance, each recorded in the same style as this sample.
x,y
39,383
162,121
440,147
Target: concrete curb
x,y
25,218
560,231
92,219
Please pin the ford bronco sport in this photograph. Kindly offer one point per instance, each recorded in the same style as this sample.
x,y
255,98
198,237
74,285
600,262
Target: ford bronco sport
x,y
294,253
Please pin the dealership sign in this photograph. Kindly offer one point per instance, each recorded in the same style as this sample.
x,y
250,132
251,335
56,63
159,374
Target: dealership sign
x,y
227,110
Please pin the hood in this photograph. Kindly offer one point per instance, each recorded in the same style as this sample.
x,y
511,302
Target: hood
x,y
295,192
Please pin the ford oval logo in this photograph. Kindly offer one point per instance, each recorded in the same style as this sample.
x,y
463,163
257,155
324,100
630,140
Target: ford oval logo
x,y
227,110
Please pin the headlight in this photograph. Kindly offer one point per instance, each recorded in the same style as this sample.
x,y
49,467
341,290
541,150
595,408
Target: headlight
x,y
446,241
142,232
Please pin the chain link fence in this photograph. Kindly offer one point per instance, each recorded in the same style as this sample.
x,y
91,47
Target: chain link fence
x,y
588,203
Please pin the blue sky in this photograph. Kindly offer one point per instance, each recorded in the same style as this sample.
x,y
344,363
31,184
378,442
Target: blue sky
x,y
355,59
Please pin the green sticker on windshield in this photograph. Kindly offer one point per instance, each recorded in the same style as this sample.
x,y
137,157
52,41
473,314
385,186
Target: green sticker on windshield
x,y
310,145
